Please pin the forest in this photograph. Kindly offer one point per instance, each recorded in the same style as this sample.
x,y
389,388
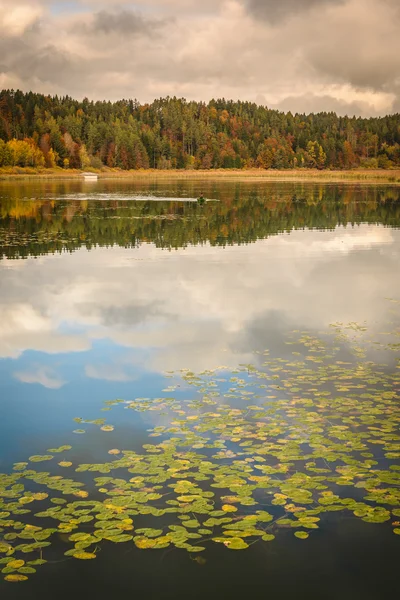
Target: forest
x,y
42,131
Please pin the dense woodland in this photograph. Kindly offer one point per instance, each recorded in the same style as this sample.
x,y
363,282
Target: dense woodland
x,y
244,215
44,131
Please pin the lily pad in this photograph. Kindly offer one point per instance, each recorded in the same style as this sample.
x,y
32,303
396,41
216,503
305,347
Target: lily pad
x,y
15,578
84,555
302,535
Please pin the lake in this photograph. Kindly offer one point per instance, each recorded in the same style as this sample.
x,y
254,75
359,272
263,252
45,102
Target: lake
x,y
199,400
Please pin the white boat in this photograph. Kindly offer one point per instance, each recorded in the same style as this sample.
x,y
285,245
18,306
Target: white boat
x,y
90,176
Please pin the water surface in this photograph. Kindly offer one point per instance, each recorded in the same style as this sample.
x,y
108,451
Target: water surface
x,y
107,287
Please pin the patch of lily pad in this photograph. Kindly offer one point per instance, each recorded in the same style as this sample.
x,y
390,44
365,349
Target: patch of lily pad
x,y
274,445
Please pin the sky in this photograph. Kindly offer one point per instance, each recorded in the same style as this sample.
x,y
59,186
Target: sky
x,y
297,55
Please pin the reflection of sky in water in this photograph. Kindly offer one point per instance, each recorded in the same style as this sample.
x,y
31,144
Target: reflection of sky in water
x,y
77,329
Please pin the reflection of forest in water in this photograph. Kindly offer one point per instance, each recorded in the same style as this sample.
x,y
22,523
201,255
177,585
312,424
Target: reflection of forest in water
x,y
43,217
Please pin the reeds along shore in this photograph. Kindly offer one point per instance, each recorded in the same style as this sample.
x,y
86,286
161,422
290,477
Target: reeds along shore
x,y
365,175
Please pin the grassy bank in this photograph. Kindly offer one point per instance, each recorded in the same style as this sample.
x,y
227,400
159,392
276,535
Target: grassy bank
x,y
361,175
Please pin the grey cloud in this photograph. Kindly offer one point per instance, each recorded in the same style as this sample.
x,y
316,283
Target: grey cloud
x,y
358,48
267,329
275,11
49,69
363,65
123,22
123,316
48,64
173,7
9,48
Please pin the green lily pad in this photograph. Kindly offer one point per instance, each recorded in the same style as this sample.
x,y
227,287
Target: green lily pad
x,y
302,535
40,458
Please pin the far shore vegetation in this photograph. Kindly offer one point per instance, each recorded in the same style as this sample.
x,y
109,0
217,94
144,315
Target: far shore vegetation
x,y
50,135
386,176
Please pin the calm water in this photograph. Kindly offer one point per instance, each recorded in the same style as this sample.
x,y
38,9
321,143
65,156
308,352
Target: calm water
x,y
106,287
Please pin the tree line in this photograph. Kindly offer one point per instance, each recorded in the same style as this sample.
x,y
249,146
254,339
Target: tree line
x,y
171,133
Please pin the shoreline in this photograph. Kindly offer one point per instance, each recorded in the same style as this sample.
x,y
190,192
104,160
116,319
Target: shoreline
x,y
382,176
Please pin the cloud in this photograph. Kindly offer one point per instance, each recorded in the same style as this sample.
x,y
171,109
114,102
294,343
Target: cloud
x,y
122,22
165,7
296,54
206,308
16,17
276,11
366,104
360,47
125,314
42,375
24,326
108,373
49,64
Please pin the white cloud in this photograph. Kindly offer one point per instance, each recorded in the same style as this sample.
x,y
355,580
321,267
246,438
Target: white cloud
x,y
24,326
16,17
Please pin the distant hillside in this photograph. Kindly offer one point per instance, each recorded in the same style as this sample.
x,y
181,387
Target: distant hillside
x,y
38,130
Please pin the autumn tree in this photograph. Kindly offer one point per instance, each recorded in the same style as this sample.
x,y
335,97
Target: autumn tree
x,y
175,133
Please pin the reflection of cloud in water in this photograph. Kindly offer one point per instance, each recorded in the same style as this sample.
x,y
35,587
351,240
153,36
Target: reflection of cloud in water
x,y
108,372
202,306
43,375
27,327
